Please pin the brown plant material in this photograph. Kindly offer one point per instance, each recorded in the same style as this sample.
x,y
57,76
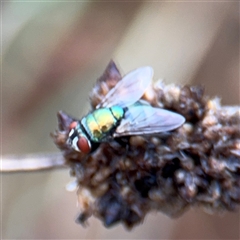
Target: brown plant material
x,y
195,165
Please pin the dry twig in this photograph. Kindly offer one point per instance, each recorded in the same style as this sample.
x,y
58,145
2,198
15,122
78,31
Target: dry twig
x,y
32,162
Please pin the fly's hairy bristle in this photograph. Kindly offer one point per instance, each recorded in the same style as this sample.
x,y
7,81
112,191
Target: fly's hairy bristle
x,y
197,164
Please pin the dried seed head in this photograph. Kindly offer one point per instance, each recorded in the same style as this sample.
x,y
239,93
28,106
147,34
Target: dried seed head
x,y
199,163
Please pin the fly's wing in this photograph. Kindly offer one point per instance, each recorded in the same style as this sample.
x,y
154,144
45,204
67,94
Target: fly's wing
x,y
129,90
141,120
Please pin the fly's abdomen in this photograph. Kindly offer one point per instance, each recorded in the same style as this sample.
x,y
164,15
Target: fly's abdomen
x,y
100,122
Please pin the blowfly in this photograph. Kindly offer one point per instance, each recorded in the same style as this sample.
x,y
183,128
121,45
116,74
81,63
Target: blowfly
x,y
122,113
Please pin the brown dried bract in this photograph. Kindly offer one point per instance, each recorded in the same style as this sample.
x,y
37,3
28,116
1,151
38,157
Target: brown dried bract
x,y
197,164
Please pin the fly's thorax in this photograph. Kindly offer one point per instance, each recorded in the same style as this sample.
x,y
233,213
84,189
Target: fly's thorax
x,y
118,112
100,122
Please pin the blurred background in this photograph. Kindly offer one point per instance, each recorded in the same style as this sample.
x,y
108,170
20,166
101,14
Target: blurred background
x,y
52,54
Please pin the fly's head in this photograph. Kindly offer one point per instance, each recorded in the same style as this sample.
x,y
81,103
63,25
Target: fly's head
x,y
77,139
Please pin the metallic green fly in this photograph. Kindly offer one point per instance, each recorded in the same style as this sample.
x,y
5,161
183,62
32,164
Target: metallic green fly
x,y
121,114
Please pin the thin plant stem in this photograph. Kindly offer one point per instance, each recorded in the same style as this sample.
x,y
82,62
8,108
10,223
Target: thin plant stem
x,y
32,162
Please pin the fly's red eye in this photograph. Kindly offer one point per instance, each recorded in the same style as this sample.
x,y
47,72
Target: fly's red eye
x,y
72,125
84,145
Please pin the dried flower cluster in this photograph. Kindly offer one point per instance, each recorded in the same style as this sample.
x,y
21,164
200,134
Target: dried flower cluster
x,y
195,165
